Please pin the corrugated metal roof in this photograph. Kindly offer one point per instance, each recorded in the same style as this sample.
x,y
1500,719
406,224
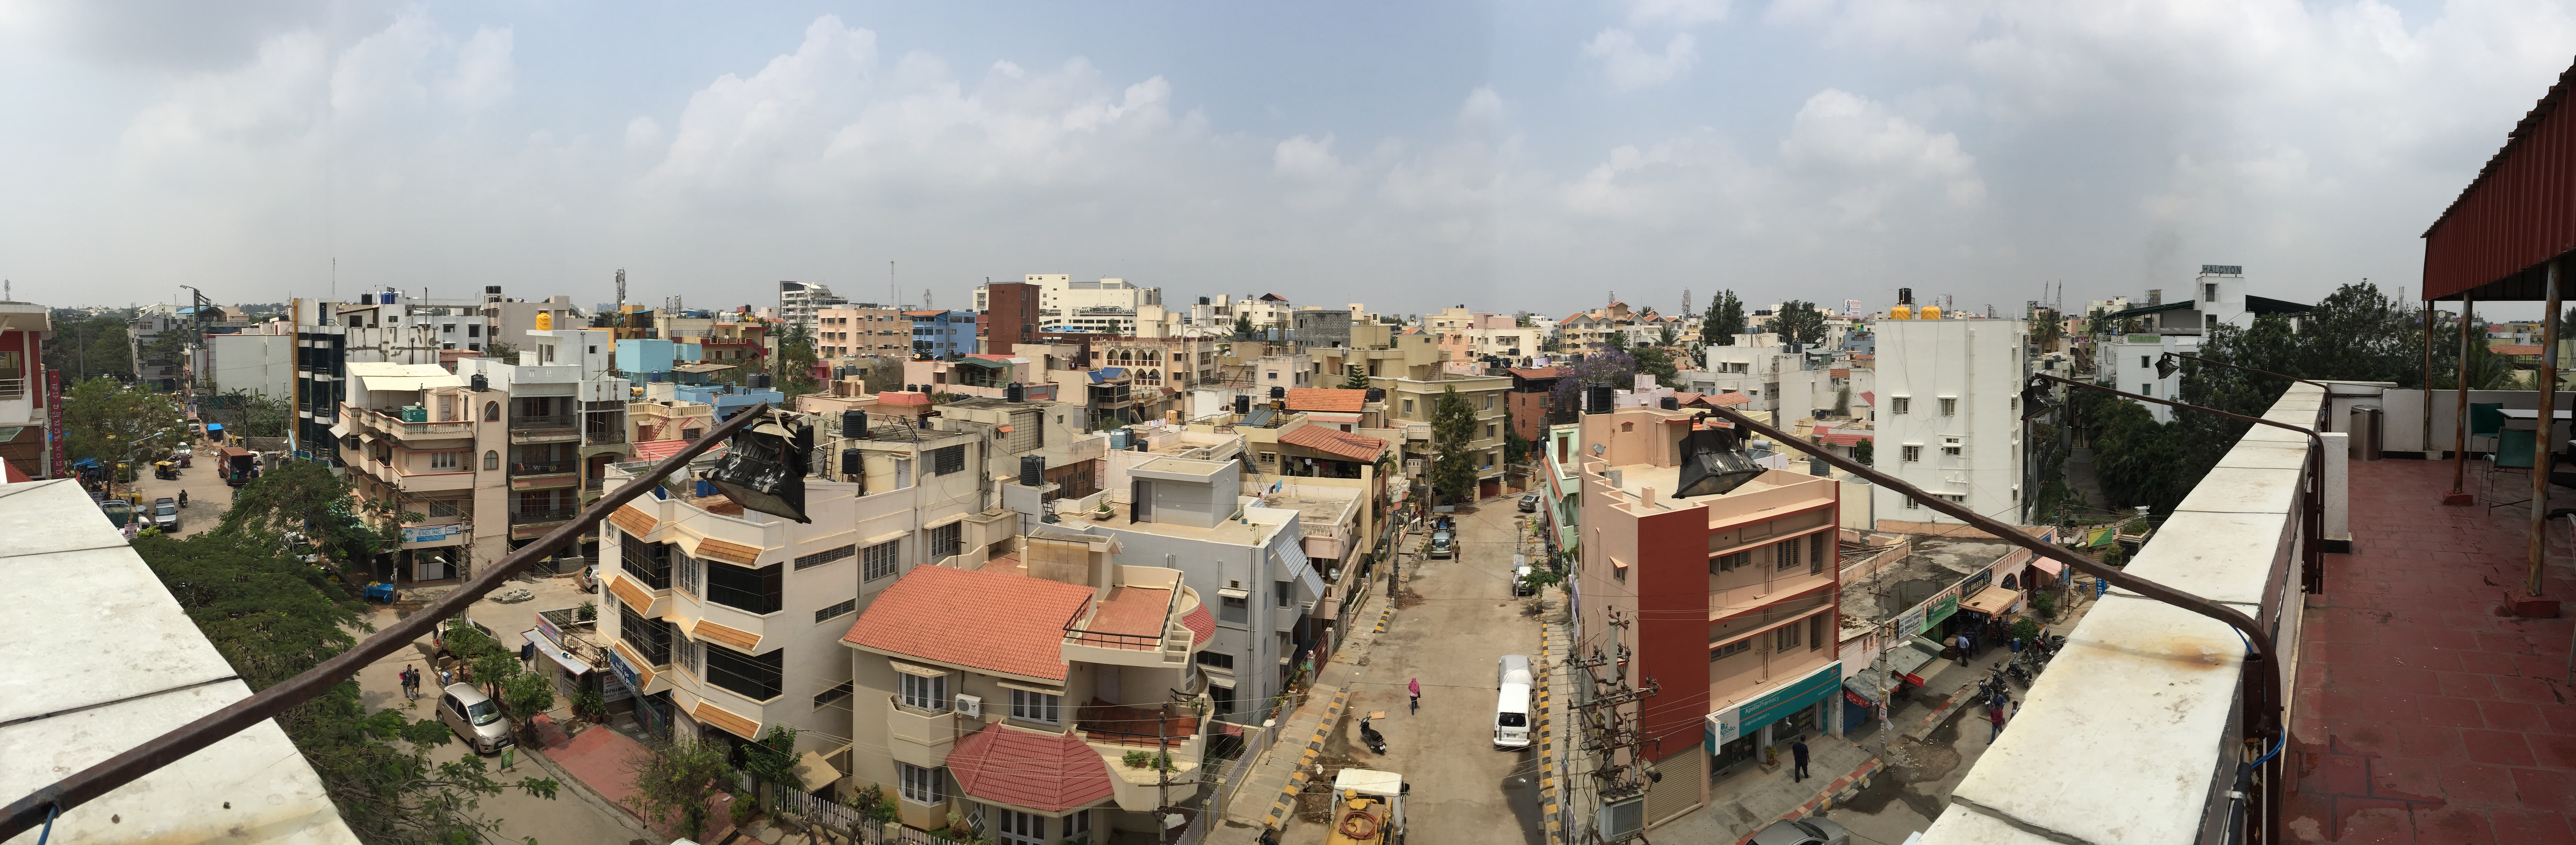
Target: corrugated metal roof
x,y
2515,216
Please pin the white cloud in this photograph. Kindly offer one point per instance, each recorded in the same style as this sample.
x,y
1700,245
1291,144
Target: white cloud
x,y
484,74
643,133
1677,12
1631,66
1876,154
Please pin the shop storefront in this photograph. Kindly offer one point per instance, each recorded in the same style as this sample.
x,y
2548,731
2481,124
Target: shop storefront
x,y
433,553
1799,707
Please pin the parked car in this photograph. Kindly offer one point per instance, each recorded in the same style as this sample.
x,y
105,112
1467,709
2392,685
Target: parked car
x,y
1443,544
1529,503
165,515
475,717
1521,585
1809,831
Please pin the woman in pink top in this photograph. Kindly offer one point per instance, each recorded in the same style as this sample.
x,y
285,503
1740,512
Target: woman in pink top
x,y
1416,686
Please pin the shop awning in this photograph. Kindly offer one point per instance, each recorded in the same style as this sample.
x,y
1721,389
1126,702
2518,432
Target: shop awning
x,y
1992,601
561,657
2052,567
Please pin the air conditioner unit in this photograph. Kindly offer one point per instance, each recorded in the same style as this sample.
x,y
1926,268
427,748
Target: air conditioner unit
x,y
1622,818
968,705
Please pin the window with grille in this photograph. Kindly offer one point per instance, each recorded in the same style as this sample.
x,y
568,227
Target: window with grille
x,y
1816,554
923,785
443,460
827,556
923,693
648,562
1729,562
835,694
1949,407
946,540
650,638
947,459
1913,453
1816,632
879,561
692,575
1233,609
755,591
1899,404
446,507
1018,828
1785,638
1730,650
1784,555
754,677
1950,446
842,609
690,657
1217,660
1036,706
1912,505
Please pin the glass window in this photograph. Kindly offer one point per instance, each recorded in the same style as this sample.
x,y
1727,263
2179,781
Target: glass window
x,y
1233,609
491,412
690,652
1898,404
755,677
827,556
1730,649
1913,453
947,459
650,638
1816,553
442,460
946,540
755,591
1217,660
924,786
1784,555
492,460
923,693
1036,706
835,694
648,562
691,572
1786,637
1949,407
879,561
1018,828
842,609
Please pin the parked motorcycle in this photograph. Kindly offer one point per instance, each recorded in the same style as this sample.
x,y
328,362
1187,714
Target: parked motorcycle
x,y
1376,741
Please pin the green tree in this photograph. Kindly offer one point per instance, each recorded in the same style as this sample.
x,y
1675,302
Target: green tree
x,y
251,415
1358,380
1797,322
272,618
1243,326
1725,319
1453,426
1657,362
502,351
796,359
105,419
773,758
675,780
304,497
1667,337
89,347
1865,452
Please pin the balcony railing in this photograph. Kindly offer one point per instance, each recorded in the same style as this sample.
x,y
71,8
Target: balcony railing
x,y
13,388
615,435
539,423
533,517
548,468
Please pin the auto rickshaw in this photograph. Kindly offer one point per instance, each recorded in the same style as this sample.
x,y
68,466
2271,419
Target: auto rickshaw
x,y
165,470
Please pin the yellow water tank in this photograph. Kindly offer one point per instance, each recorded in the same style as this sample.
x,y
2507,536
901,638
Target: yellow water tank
x,y
1931,312
545,321
1900,313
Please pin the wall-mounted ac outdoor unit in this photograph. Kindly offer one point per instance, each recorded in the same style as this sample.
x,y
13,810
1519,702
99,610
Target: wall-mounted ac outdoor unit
x,y
970,706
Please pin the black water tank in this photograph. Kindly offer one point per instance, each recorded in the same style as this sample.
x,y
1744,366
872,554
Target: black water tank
x,y
1015,393
1377,394
1671,403
854,423
1904,296
1032,471
1596,399
760,381
851,464
1243,405
481,383
1277,392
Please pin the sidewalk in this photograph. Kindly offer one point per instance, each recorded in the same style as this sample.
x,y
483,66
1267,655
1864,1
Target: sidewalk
x,y
1269,791
1751,800
594,764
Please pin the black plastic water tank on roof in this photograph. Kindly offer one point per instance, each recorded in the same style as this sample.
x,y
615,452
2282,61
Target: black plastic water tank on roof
x,y
1032,471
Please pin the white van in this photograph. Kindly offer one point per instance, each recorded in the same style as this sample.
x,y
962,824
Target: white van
x,y
1512,702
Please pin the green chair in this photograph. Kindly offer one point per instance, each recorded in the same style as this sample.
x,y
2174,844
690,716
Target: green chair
x,y
2513,451
2485,419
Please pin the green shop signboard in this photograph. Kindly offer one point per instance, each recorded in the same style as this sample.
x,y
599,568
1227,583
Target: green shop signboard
x,y
1942,606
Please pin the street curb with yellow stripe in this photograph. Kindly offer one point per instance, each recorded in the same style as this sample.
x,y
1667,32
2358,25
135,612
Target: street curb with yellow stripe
x,y
1314,748
1547,797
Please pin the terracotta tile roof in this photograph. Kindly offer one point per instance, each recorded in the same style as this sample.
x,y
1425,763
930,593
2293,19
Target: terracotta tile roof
x,y
1839,437
1014,624
643,671
626,590
1728,399
1357,447
1326,399
726,551
632,521
1535,372
654,450
712,715
1045,772
2514,349
1202,625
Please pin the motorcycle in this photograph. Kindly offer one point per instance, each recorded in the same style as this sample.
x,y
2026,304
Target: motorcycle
x,y
2018,673
1376,741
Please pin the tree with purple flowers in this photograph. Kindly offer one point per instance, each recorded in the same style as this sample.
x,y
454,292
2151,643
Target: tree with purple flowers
x,y
1605,366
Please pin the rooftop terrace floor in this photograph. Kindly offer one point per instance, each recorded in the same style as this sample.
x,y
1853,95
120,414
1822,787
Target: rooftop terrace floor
x,y
2421,716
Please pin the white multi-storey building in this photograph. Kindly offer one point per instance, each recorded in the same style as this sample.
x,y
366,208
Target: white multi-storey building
x,y
798,301
2145,333
1107,306
1949,413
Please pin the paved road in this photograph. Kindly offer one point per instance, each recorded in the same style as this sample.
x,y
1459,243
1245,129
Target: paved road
x,y
1464,790
207,495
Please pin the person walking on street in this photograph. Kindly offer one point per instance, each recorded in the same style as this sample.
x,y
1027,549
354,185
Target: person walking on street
x,y
1415,686
405,680
1995,715
1798,760
1962,643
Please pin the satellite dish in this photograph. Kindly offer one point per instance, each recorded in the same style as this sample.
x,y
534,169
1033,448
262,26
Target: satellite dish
x,y
1598,448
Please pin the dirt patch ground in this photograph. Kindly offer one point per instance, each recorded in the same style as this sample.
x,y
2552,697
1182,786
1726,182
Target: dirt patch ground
x,y
1409,599
1315,804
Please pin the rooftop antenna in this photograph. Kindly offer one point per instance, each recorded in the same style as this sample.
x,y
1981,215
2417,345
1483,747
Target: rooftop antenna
x,y
925,297
894,292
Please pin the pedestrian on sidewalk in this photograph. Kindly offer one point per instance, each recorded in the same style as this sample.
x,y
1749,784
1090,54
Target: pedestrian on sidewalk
x,y
1995,715
1415,686
1798,759
1962,643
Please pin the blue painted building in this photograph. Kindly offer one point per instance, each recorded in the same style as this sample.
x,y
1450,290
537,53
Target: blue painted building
x,y
942,334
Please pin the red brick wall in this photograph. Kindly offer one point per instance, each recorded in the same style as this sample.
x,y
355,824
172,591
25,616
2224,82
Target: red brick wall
x,y
1672,623
1011,316
1529,414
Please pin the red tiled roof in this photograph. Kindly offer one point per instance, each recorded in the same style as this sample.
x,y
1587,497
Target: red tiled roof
x,y
1535,372
1357,447
903,397
1839,437
930,313
1869,396
1017,621
1326,399
1045,772
1727,399
988,356
1202,625
654,450
2514,349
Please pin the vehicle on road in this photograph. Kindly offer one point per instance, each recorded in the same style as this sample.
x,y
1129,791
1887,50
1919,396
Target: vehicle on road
x,y
475,717
1444,544
1370,809
1512,702
1521,585
123,515
1529,503
165,515
1809,831
239,465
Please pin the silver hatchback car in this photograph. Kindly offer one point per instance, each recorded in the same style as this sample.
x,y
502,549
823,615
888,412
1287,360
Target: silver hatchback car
x,y
475,717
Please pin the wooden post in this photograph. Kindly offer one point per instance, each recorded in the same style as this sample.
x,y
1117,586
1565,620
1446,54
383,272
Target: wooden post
x,y
2548,423
2428,378
2460,411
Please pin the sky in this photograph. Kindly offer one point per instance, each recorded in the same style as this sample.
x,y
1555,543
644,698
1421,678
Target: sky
x,y
1505,156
